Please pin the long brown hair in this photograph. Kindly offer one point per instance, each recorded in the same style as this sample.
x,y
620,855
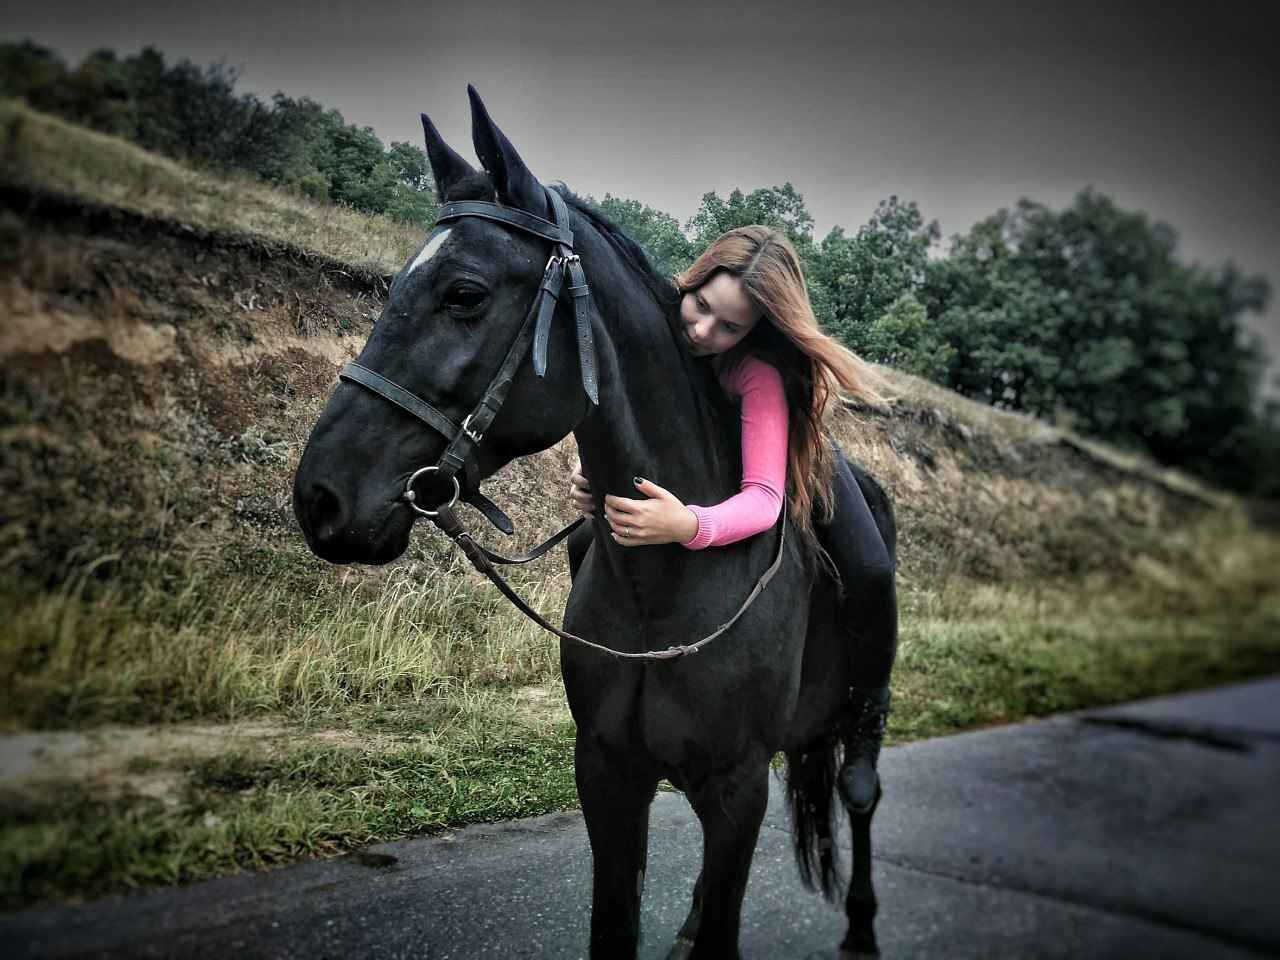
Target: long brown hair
x,y
813,365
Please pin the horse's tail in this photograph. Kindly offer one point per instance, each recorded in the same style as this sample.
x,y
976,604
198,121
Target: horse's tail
x,y
811,787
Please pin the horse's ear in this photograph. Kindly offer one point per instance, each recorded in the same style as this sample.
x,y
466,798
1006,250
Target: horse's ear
x,y
516,186
447,167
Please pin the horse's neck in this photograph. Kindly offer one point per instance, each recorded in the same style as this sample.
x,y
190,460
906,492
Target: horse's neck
x,y
650,422
648,425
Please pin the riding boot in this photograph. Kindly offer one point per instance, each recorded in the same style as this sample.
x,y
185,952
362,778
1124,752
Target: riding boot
x,y
858,780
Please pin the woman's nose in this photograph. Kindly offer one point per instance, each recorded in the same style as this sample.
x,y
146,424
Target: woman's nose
x,y
701,329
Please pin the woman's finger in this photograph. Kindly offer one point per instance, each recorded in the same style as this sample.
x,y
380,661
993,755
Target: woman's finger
x,y
635,539
612,510
622,503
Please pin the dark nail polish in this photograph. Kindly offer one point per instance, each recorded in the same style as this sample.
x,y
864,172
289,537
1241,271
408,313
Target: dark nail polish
x,y
638,480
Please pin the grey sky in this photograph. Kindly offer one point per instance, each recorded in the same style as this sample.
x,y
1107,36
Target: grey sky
x,y
1169,108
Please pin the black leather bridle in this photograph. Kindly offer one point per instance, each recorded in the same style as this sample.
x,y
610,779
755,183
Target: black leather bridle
x,y
535,331
464,436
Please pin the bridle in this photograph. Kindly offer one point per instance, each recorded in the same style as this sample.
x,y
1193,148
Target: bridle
x,y
535,330
463,437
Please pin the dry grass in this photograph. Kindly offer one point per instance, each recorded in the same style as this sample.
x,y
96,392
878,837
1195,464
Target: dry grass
x,y
226,648
48,155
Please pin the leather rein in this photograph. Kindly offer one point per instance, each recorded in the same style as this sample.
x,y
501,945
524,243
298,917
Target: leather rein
x,y
457,455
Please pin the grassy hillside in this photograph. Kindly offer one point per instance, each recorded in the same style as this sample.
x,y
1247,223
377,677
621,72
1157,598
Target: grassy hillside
x,y
209,696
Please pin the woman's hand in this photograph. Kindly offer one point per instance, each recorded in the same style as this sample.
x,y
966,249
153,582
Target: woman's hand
x,y
642,523
580,492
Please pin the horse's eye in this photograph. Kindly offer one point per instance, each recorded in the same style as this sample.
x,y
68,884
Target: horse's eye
x,y
464,297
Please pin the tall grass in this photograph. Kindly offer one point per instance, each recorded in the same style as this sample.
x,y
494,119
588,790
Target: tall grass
x,y
229,647
250,809
1204,610
434,657
106,647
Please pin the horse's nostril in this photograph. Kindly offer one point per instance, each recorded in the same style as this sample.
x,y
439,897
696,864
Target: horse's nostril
x,y
325,513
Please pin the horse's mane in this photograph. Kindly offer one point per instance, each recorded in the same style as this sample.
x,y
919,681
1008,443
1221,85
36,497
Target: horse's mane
x,y
659,285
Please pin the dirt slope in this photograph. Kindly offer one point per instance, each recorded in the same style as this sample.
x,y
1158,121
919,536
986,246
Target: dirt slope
x,y
160,380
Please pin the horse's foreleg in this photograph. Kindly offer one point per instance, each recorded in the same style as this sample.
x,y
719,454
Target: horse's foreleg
x,y
860,902
615,805
731,807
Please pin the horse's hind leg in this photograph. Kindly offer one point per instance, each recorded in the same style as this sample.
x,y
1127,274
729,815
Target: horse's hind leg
x,y
731,807
860,902
615,806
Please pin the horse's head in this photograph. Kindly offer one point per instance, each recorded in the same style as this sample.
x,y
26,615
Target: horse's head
x,y
444,338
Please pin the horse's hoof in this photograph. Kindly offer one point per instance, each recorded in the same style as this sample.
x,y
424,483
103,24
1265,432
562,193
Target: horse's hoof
x,y
681,949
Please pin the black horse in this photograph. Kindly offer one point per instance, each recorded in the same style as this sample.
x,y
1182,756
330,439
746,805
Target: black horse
x,y
710,722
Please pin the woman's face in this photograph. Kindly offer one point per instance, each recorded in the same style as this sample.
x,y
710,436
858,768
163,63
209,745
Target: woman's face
x,y
717,315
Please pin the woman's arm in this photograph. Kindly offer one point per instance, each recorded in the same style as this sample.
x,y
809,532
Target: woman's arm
x,y
764,460
664,519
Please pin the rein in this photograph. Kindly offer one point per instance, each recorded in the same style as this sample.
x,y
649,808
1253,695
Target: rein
x,y
483,560
462,438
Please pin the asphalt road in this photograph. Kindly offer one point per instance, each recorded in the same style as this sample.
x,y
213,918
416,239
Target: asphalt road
x,y
1150,830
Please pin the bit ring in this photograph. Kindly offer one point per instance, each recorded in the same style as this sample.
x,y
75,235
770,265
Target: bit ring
x,y
410,496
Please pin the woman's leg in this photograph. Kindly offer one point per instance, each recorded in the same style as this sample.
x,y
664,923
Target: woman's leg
x,y
870,609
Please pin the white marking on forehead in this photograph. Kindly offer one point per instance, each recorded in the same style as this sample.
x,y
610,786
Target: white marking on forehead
x,y
429,249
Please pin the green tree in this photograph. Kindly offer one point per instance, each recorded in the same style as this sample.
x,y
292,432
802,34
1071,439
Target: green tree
x,y
862,276
1088,314
657,232
903,336
778,207
413,192
30,71
999,318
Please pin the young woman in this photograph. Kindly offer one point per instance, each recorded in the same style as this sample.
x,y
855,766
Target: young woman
x,y
744,305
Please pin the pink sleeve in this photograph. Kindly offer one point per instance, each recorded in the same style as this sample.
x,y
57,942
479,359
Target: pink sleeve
x,y
764,460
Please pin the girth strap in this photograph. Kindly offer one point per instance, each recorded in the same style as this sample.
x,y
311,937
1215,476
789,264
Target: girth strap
x,y
582,308
552,281
582,314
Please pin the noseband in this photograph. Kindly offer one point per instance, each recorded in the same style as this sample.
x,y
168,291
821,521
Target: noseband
x,y
535,330
463,437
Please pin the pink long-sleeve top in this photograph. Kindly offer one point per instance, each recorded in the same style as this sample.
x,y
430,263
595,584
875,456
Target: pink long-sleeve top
x,y
757,386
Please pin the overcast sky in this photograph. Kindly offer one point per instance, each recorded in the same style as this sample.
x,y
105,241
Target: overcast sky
x,y
1168,107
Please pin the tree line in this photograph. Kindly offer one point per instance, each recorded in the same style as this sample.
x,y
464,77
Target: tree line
x,y
195,115
1084,316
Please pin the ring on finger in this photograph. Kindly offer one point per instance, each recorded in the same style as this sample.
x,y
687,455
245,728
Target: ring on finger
x,y
626,532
